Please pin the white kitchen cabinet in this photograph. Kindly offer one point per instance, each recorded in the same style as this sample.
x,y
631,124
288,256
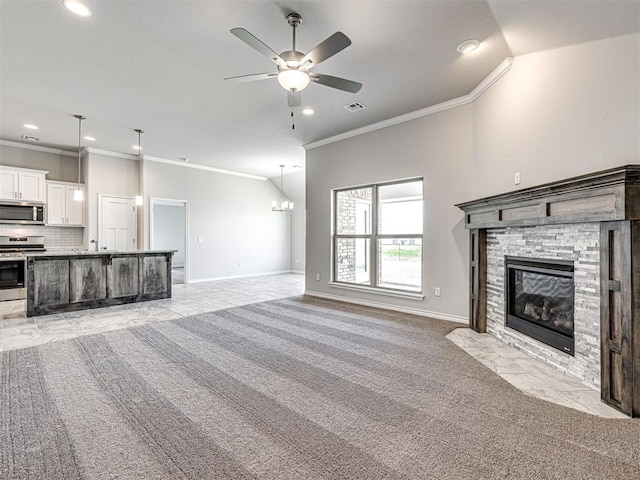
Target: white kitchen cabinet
x,y
22,184
62,209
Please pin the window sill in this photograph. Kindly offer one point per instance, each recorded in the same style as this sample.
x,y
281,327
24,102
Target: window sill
x,y
418,297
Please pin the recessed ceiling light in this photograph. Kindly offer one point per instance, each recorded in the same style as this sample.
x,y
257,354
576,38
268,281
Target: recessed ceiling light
x,y
136,147
77,7
468,46
308,111
91,139
30,126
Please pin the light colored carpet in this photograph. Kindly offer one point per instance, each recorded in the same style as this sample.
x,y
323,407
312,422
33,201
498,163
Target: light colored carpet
x,y
288,389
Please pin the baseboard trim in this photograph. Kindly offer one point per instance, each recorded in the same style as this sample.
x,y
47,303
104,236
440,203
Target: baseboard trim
x,y
212,279
299,272
386,306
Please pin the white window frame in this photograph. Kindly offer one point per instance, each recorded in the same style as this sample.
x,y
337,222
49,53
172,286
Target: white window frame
x,y
373,238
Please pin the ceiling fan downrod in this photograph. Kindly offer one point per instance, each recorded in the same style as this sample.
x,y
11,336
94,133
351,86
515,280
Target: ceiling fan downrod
x,y
294,20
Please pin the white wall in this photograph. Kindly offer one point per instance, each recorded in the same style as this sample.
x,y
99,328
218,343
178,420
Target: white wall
x,y
60,167
242,236
557,114
294,191
298,222
107,175
439,149
168,230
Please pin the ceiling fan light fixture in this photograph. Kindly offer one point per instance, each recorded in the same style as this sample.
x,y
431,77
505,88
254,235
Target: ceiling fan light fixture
x,y
468,46
293,80
77,7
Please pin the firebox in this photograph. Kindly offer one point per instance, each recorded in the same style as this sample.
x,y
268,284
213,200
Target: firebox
x,y
540,299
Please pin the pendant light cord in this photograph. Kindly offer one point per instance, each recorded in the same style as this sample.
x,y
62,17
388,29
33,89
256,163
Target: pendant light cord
x,y
80,119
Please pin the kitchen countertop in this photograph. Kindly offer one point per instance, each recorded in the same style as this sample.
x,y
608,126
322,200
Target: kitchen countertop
x,y
82,253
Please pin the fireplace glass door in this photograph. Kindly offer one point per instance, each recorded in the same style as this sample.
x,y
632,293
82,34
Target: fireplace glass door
x,y
540,300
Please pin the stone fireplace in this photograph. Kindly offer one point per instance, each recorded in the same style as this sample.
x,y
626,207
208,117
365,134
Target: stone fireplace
x,y
552,273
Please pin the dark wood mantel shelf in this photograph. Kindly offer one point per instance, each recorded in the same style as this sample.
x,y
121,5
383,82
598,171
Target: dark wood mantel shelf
x,y
610,198
607,195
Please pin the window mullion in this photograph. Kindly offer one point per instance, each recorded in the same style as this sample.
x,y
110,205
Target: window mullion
x,y
374,236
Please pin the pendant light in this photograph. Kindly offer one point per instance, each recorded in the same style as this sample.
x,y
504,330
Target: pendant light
x,y
285,205
139,198
78,194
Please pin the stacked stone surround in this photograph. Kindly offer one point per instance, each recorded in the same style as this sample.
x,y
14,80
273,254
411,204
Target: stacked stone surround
x,y
576,242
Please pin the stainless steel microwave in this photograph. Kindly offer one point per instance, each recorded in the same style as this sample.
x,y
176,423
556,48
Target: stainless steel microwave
x,y
24,213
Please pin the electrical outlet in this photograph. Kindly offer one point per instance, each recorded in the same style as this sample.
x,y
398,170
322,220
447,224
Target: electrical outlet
x,y
516,178
437,292
317,277
239,263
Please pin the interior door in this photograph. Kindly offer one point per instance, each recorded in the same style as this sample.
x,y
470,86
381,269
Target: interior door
x,y
118,223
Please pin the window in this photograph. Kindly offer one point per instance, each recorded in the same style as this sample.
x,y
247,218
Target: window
x,y
377,240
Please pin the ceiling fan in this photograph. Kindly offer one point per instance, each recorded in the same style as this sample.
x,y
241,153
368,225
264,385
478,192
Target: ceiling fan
x,y
294,67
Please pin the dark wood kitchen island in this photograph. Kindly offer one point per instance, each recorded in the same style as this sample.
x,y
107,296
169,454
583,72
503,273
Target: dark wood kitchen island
x,y
78,280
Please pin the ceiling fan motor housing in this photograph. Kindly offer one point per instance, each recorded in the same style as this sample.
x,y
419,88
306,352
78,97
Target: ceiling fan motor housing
x,y
291,56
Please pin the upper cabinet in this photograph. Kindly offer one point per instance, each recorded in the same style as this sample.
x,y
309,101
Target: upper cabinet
x,y
62,209
22,184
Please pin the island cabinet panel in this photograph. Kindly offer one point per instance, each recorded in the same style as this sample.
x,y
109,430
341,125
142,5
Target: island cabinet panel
x,y
124,278
156,275
70,281
87,278
51,285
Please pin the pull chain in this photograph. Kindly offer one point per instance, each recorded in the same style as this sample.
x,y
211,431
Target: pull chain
x,y
293,122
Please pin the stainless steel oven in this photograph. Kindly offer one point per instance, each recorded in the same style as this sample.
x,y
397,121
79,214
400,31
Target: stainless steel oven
x,y
13,264
13,271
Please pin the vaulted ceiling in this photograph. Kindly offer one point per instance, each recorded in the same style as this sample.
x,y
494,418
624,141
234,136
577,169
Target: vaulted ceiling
x,y
159,66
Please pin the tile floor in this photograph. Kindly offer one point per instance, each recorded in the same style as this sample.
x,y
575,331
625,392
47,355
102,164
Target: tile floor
x,y
17,331
531,376
527,374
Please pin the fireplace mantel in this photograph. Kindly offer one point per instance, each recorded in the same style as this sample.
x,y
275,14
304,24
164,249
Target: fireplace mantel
x,y
607,195
608,200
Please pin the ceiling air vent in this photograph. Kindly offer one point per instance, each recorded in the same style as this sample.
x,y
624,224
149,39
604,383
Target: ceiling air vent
x,y
31,138
355,106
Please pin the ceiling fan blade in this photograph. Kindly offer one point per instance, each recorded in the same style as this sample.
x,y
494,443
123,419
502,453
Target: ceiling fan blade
x,y
257,44
294,99
332,45
336,82
251,77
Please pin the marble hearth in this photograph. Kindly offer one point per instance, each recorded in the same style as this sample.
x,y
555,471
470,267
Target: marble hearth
x,y
591,222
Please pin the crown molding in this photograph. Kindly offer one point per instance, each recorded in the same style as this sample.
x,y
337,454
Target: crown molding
x,y
493,77
175,163
201,167
127,156
38,148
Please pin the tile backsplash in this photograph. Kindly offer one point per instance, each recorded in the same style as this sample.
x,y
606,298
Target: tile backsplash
x,y
55,238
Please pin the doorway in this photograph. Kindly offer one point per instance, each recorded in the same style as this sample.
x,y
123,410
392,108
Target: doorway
x,y
117,223
168,219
